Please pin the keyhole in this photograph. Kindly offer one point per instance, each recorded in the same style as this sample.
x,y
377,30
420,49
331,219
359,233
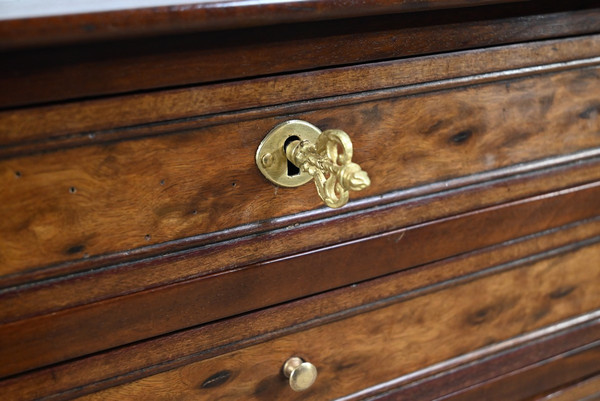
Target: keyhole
x,y
292,170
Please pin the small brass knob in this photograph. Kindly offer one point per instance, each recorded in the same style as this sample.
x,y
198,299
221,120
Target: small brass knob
x,y
301,374
295,152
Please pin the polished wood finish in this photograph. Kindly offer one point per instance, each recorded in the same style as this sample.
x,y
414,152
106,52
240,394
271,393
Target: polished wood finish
x,y
394,340
172,187
516,219
157,355
585,390
52,73
27,130
30,343
527,381
35,22
131,277
143,255
562,369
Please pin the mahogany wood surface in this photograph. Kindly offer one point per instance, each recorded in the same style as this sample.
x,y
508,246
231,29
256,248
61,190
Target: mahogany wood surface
x,y
36,22
153,356
30,343
144,256
172,186
158,355
521,354
72,290
28,130
51,74
127,363
367,348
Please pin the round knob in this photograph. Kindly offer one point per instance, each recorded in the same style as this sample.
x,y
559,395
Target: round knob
x,y
302,374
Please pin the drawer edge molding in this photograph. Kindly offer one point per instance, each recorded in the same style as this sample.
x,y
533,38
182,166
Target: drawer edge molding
x,y
492,370
106,68
168,352
31,24
43,128
340,347
125,278
480,129
95,327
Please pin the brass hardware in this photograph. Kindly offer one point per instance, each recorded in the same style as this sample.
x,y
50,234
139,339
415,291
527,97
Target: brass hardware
x,y
270,156
296,151
301,374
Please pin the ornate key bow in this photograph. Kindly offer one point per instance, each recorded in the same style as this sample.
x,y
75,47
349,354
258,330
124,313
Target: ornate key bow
x,y
329,161
294,152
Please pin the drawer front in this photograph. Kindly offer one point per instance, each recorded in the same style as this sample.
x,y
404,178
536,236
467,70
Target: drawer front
x,y
93,327
144,255
406,335
34,342
154,228
173,188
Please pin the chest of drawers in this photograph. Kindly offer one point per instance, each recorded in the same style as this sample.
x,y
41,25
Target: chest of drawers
x,y
144,255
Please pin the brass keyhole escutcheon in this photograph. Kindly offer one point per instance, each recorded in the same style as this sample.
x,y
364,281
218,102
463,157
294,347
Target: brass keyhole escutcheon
x,y
296,151
270,156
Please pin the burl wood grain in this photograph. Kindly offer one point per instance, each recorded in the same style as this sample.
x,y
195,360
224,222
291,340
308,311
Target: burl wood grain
x,y
152,356
69,72
132,194
72,290
125,278
70,124
368,348
116,321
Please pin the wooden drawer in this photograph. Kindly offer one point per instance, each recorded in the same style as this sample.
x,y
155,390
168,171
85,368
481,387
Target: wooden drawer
x,y
178,185
428,323
217,231
116,321
143,255
409,332
129,57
